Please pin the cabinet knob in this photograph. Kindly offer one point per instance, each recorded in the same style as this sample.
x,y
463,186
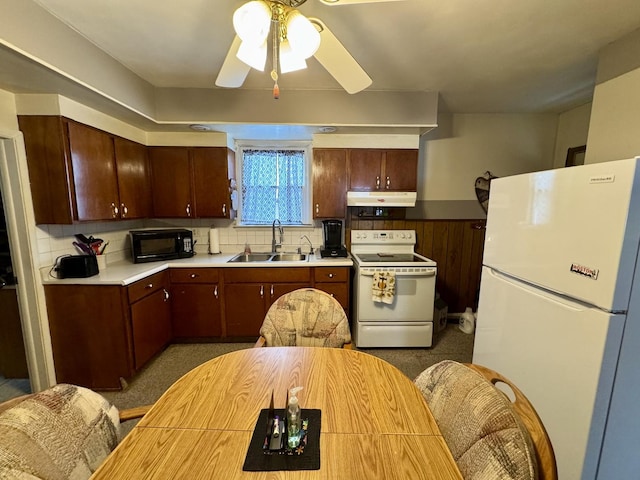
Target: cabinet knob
x,y
261,291
378,183
148,286
124,210
317,208
215,291
188,209
166,295
194,275
271,292
330,275
388,185
114,210
224,209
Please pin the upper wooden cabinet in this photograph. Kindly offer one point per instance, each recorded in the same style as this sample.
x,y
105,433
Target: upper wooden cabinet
x,y
133,179
329,183
383,169
76,175
189,182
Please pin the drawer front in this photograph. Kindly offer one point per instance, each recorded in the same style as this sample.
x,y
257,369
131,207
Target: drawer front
x,y
339,291
144,287
194,275
331,274
267,275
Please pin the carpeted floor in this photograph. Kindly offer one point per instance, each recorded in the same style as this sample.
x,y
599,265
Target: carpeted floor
x,y
146,387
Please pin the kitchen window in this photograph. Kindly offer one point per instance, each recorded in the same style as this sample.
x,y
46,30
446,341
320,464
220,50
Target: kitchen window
x,y
274,183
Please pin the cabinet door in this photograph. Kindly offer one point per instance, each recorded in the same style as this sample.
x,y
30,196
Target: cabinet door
x,y
401,170
170,182
49,169
195,310
211,182
151,326
94,173
133,179
89,334
329,183
365,170
244,308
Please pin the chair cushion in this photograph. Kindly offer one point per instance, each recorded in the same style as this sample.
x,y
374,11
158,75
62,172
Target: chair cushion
x,y
306,318
484,433
63,433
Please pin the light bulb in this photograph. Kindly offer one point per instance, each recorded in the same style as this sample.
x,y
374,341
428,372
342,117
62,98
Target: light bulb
x,y
253,55
290,61
302,35
252,22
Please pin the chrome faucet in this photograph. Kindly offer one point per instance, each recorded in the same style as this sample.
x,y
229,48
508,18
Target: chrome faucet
x,y
310,245
274,245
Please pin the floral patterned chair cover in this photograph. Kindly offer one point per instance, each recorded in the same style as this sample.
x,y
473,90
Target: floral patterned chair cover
x,y
306,317
63,433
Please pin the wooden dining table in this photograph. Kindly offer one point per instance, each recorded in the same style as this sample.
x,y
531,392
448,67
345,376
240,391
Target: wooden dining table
x,y
375,423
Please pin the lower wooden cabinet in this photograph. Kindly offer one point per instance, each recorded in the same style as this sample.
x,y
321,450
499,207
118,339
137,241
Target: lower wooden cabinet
x,y
90,334
103,334
196,303
150,325
249,292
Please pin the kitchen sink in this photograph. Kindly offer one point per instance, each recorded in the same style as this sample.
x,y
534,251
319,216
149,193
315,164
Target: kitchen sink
x,y
289,257
251,257
268,257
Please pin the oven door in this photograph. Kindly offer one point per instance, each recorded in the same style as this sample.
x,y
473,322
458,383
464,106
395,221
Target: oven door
x,y
413,300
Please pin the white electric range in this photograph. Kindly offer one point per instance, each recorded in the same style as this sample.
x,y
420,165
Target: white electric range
x,y
408,320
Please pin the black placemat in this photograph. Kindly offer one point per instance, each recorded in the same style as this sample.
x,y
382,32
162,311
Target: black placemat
x,y
257,461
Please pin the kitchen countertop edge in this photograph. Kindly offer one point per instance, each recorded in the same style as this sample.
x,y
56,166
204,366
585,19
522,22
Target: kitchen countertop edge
x,y
125,272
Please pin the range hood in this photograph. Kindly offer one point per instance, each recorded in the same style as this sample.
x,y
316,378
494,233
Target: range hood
x,y
381,199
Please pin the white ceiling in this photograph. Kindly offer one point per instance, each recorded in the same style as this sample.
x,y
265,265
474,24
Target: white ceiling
x,y
481,56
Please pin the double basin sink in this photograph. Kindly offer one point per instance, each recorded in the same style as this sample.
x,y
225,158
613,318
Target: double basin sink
x,y
269,257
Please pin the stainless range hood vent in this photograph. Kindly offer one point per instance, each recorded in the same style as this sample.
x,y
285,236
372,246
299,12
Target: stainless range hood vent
x,y
381,199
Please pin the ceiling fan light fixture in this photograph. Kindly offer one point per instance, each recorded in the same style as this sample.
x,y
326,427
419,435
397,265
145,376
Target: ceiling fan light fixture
x,y
252,22
303,37
253,55
290,61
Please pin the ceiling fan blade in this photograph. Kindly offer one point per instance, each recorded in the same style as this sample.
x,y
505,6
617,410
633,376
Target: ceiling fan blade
x,y
338,61
233,71
333,3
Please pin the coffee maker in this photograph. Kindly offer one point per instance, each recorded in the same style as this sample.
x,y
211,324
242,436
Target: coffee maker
x,y
332,245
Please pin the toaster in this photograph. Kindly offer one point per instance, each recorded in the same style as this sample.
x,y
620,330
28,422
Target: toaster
x,y
77,266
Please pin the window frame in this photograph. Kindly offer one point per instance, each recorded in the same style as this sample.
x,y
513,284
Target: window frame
x,y
307,192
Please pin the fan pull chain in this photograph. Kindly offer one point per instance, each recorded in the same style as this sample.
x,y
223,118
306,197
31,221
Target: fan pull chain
x,y
275,30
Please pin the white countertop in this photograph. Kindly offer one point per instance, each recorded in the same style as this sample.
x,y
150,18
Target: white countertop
x,y
126,272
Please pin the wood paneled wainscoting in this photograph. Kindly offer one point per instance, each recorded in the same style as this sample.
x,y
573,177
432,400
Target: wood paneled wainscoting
x,y
456,245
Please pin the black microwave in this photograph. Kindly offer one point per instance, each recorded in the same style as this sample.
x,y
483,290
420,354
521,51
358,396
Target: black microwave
x,y
157,245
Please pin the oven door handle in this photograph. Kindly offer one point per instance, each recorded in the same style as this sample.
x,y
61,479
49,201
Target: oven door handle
x,y
431,272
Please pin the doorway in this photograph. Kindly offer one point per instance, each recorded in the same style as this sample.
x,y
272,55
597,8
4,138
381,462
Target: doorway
x,y
14,373
18,217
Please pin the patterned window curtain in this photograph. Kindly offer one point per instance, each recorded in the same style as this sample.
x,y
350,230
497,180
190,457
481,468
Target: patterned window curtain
x,y
272,186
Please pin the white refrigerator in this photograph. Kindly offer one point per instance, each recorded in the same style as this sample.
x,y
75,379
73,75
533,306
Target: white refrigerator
x,y
559,309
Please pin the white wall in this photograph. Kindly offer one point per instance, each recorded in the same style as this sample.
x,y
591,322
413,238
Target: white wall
x,y
8,120
614,130
573,129
505,144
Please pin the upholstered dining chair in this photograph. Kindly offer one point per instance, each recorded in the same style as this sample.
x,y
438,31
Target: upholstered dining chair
x,y
64,432
490,436
306,317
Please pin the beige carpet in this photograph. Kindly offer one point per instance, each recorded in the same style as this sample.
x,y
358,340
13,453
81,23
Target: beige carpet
x,y
178,359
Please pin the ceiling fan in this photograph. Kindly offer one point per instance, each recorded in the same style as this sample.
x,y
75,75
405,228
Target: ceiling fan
x,y
294,38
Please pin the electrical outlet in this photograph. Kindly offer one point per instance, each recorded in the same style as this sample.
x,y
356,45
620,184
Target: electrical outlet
x,y
195,232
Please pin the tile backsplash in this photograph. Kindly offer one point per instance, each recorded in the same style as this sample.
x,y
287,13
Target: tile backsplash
x,y
57,240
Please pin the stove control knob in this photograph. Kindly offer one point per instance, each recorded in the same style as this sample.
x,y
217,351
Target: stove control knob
x,y
402,235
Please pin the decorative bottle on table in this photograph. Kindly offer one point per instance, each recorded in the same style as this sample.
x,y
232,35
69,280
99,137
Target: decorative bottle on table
x,y
294,424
